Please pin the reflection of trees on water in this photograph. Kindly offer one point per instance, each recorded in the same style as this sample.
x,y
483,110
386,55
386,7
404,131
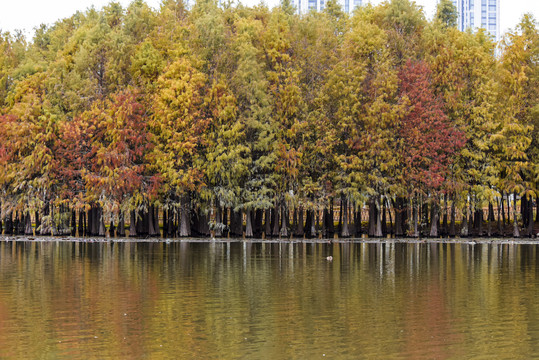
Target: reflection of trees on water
x,y
188,299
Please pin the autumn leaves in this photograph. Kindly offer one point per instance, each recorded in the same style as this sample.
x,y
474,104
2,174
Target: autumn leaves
x,y
223,111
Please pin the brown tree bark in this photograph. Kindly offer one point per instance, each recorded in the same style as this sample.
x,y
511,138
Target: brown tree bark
x,y
28,228
120,232
133,224
248,224
345,233
516,232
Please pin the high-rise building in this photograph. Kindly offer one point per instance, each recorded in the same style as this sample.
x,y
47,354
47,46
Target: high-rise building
x,y
304,6
476,14
472,14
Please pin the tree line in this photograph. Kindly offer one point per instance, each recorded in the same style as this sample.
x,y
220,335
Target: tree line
x,y
240,120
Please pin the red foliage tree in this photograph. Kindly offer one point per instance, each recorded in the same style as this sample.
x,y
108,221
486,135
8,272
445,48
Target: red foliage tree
x,y
103,151
428,138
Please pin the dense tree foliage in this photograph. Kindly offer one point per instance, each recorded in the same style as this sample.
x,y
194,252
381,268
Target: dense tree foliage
x,y
255,121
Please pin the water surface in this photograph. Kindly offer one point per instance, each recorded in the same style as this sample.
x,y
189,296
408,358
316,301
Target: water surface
x,y
261,300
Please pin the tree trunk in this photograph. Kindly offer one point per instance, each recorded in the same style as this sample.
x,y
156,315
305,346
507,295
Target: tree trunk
x,y
300,229
372,217
345,233
95,221
508,211
471,220
500,231
133,224
490,218
339,224
317,227
16,224
185,223
425,217
195,222
238,215
391,228
203,223
331,218
524,211
73,223
267,223
28,228
384,218
120,232
294,225
248,224
275,222
151,222
357,221
480,222
257,225
434,219
398,217
284,222
22,223
503,212
444,229
414,226
516,232
530,218
45,226
101,219
157,230
89,222
165,222
9,224
310,229
218,222
464,226
173,220
315,219
325,222
452,226
378,232
140,223
84,223
112,228
475,222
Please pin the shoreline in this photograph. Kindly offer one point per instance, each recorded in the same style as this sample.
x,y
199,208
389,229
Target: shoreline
x,y
456,240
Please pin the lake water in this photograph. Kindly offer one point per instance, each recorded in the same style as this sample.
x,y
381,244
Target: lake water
x,y
264,300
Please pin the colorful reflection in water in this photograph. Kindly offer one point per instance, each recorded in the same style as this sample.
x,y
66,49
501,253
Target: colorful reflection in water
x,y
261,300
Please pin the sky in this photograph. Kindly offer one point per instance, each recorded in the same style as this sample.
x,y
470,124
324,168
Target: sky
x,y
27,14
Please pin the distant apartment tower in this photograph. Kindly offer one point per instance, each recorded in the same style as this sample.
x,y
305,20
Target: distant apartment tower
x,y
304,6
479,14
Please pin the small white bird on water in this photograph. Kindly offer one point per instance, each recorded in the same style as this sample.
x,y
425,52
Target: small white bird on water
x,y
329,258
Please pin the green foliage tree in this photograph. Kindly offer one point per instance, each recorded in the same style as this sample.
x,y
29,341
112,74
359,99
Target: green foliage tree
x,y
446,13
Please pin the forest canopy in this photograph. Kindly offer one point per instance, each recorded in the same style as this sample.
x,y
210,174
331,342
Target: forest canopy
x,y
247,119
